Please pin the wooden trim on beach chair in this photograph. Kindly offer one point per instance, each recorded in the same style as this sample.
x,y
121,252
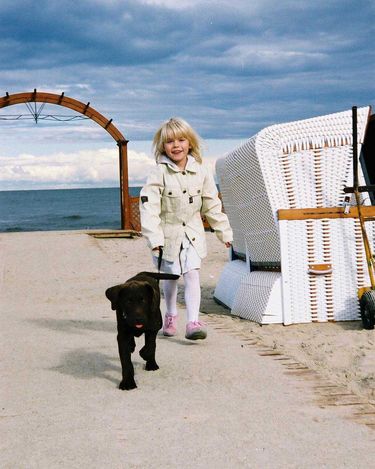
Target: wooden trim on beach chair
x,y
368,212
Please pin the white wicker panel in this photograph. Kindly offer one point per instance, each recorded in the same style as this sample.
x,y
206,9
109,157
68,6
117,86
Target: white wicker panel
x,y
263,246
306,163
295,281
323,297
332,130
230,206
251,202
258,298
349,268
229,281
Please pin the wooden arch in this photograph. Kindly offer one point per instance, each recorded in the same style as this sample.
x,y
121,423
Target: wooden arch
x,y
88,111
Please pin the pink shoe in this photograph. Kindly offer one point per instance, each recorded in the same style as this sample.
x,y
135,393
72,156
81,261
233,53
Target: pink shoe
x,y
195,330
170,325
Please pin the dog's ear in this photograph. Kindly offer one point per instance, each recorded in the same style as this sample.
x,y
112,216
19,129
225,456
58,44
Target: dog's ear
x,y
112,294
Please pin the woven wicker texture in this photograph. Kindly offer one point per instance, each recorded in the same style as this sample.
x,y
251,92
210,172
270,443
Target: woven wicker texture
x,y
258,297
251,204
230,206
229,281
303,164
308,297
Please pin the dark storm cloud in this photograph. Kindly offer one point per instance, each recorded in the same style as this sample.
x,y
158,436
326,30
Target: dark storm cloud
x,y
53,32
230,68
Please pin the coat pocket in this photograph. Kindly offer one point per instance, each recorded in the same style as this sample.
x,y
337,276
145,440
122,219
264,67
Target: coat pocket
x,y
195,197
171,199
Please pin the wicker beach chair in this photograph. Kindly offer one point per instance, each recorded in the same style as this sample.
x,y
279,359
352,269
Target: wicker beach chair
x,y
296,256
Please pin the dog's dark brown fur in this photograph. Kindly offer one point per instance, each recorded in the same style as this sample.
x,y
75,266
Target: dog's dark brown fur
x,y
137,305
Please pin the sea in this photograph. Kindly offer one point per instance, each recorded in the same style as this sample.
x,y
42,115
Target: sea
x,y
61,209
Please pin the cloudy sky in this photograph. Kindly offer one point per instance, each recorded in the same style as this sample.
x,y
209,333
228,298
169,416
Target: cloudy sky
x,y
229,67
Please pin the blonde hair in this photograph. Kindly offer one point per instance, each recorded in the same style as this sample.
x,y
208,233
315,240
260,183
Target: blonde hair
x,y
176,128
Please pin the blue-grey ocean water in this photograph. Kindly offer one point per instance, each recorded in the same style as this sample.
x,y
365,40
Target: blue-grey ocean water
x,y
61,209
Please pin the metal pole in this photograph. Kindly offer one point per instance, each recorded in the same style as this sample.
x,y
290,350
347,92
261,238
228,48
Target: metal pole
x,y
355,147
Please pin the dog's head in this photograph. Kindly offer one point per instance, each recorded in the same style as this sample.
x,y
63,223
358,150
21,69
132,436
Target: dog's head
x,y
137,302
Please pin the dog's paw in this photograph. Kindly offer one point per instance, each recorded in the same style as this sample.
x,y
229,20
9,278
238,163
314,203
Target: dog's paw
x,y
127,385
151,365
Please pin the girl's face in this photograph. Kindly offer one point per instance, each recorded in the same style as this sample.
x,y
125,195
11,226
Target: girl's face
x,y
177,149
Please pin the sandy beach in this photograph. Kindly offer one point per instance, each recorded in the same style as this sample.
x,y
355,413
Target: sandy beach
x,y
249,396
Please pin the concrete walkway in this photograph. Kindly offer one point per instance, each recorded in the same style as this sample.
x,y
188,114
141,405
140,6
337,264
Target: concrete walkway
x,y
216,403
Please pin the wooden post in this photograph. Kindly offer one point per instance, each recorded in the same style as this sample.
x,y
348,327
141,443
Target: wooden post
x,y
124,186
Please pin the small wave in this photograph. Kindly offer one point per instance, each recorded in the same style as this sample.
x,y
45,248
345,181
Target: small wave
x,y
13,229
72,217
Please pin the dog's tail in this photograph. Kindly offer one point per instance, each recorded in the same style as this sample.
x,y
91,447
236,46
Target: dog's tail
x,y
161,276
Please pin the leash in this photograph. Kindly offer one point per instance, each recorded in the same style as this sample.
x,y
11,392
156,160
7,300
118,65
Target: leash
x,y
160,258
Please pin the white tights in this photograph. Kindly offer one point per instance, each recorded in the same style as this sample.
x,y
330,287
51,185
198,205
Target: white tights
x,y
192,295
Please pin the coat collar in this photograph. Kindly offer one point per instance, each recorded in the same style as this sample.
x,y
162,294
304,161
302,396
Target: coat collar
x,y
191,164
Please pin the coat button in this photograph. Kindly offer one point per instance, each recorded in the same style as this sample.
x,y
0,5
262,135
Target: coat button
x,y
169,193
183,172
184,191
183,223
199,191
193,239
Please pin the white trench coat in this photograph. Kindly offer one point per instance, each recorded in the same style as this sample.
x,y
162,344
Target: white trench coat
x,y
171,205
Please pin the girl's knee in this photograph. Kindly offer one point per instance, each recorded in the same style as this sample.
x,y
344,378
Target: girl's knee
x,y
191,275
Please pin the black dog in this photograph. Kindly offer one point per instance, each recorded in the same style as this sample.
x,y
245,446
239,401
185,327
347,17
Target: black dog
x,y
137,305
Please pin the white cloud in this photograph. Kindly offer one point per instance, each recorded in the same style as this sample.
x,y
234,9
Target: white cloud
x,y
275,54
245,5
173,4
89,168
94,168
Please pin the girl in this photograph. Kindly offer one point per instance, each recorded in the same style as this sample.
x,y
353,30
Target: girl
x,y
176,194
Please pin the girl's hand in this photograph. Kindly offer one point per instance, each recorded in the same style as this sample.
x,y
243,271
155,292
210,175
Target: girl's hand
x,y
228,244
